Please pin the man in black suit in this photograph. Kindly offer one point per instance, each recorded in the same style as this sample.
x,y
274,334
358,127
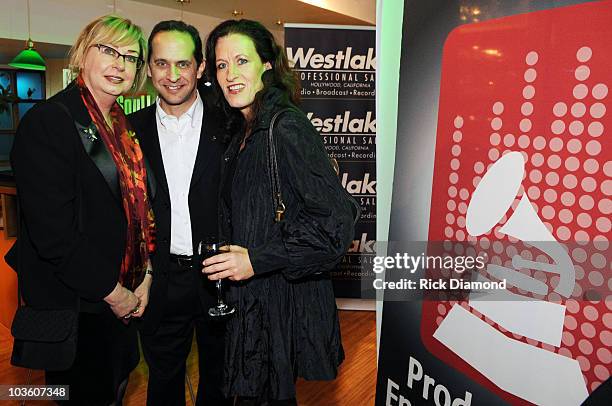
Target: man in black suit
x,y
180,136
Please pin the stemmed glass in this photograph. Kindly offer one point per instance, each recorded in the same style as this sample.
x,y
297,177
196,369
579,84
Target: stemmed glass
x,y
207,248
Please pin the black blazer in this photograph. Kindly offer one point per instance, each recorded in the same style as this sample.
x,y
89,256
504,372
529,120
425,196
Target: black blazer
x,y
72,224
203,195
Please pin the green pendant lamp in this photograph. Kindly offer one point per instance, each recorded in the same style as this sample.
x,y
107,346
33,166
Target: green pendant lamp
x,y
29,58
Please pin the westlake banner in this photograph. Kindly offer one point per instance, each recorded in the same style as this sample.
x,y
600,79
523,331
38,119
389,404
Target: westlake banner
x,y
337,68
501,293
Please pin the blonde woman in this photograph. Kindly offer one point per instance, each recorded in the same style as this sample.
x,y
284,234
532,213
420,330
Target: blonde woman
x,y
86,223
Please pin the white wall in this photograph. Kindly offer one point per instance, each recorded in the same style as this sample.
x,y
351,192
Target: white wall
x,y
362,9
54,75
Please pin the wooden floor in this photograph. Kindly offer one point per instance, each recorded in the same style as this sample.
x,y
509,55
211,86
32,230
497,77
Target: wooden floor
x,y
355,384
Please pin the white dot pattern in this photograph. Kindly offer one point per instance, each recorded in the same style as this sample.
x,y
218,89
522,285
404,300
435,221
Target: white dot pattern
x,y
576,128
578,109
568,182
597,110
582,73
600,91
529,92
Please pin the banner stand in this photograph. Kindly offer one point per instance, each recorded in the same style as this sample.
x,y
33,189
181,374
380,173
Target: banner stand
x,y
337,68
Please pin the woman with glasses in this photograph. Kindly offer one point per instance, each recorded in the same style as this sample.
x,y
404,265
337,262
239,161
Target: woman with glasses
x,y
86,225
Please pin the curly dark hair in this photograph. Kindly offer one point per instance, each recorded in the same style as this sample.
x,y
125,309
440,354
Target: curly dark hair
x,y
281,75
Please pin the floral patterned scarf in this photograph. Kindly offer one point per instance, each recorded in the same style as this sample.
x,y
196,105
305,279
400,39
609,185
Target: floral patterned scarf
x,y
127,155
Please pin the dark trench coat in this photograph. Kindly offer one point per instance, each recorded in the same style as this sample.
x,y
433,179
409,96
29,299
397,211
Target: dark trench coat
x,y
286,325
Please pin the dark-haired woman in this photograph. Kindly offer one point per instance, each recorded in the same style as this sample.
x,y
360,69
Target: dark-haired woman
x,y
286,324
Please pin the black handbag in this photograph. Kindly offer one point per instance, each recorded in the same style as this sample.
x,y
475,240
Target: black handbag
x,y
44,339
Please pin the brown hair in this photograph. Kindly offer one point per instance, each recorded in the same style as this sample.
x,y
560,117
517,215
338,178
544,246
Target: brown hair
x,y
281,75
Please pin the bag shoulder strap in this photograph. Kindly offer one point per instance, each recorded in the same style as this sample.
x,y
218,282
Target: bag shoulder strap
x,y
277,198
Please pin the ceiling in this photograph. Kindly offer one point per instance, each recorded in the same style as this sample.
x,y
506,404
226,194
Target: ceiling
x,y
266,11
290,11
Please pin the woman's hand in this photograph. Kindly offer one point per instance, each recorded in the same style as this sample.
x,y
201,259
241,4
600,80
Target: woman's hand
x,y
234,265
142,293
122,301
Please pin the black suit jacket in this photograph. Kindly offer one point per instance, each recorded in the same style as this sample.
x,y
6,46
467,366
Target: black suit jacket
x,y
203,197
72,224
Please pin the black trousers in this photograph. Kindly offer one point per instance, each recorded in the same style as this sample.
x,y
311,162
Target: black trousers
x,y
167,349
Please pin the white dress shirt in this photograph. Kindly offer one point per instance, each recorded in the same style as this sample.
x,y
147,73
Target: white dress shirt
x,y
179,139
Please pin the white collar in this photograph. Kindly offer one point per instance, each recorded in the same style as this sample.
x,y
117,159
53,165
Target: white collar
x,y
194,111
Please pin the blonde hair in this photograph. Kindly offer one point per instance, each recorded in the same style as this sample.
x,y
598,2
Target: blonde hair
x,y
110,29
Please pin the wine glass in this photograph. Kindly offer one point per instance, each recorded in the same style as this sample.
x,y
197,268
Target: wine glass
x,y
207,248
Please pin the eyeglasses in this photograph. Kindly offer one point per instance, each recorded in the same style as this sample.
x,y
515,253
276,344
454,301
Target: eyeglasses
x,y
128,59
